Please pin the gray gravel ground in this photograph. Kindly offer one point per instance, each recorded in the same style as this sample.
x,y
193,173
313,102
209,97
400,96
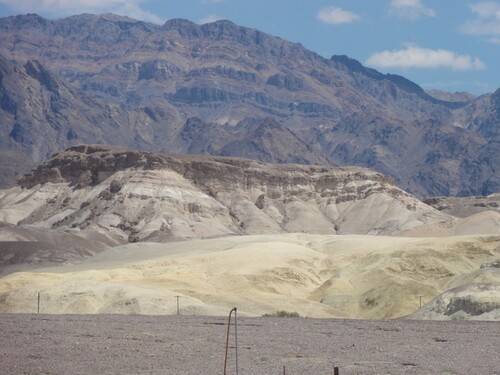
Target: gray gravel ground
x,y
121,344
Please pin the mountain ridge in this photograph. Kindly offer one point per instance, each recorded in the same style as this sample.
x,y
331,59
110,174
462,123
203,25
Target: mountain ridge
x,y
226,75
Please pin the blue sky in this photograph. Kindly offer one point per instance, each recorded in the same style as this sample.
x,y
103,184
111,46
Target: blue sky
x,y
453,45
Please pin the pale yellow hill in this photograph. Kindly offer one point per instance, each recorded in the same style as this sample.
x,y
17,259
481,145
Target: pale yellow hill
x,y
314,275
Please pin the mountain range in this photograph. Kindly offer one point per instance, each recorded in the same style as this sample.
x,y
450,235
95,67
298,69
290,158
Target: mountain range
x,y
227,90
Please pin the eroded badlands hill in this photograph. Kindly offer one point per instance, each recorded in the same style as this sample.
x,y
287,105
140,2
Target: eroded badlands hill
x,y
141,196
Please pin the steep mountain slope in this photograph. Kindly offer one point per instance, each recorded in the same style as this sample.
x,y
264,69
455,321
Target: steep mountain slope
x,y
336,110
13,165
40,113
260,139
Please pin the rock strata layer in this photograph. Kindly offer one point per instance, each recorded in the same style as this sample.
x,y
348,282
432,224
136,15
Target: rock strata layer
x,y
139,196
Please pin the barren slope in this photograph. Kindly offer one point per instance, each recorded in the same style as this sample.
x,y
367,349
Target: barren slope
x,y
157,197
315,275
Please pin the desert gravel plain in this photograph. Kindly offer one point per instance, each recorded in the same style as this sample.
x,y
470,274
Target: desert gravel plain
x,y
194,345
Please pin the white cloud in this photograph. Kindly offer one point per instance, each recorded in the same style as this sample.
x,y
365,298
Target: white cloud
x,y
494,40
134,11
412,9
486,22
129,8
208,19
486,9
413,56
336,16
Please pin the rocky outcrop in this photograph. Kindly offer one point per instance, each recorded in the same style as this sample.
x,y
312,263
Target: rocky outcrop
x,y
159,197
468,302
474,296
465,206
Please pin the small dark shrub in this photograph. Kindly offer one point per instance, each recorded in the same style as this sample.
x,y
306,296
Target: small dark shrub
x,y
283,314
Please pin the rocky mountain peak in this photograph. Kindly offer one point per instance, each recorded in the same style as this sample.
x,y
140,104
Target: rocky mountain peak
x,y
24,21
355,66
401,82
218,31
224,29
184,27
496,98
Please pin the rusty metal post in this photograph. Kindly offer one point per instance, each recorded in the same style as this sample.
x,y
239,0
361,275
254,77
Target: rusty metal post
x,y
227,340
236,338
177,297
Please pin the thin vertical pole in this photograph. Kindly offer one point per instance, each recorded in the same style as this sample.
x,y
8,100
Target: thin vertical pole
x,y
335,371
236,338
38,304
227,339
284,372
177,297
420,297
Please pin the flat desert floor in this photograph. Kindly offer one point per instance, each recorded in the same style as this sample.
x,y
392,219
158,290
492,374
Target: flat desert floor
x,y
182,345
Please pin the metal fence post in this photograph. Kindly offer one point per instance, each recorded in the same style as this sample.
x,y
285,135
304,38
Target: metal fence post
x,y
227,339
236,338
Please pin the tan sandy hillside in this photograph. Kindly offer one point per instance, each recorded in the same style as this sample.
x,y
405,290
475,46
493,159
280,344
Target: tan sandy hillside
x,y
314,275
